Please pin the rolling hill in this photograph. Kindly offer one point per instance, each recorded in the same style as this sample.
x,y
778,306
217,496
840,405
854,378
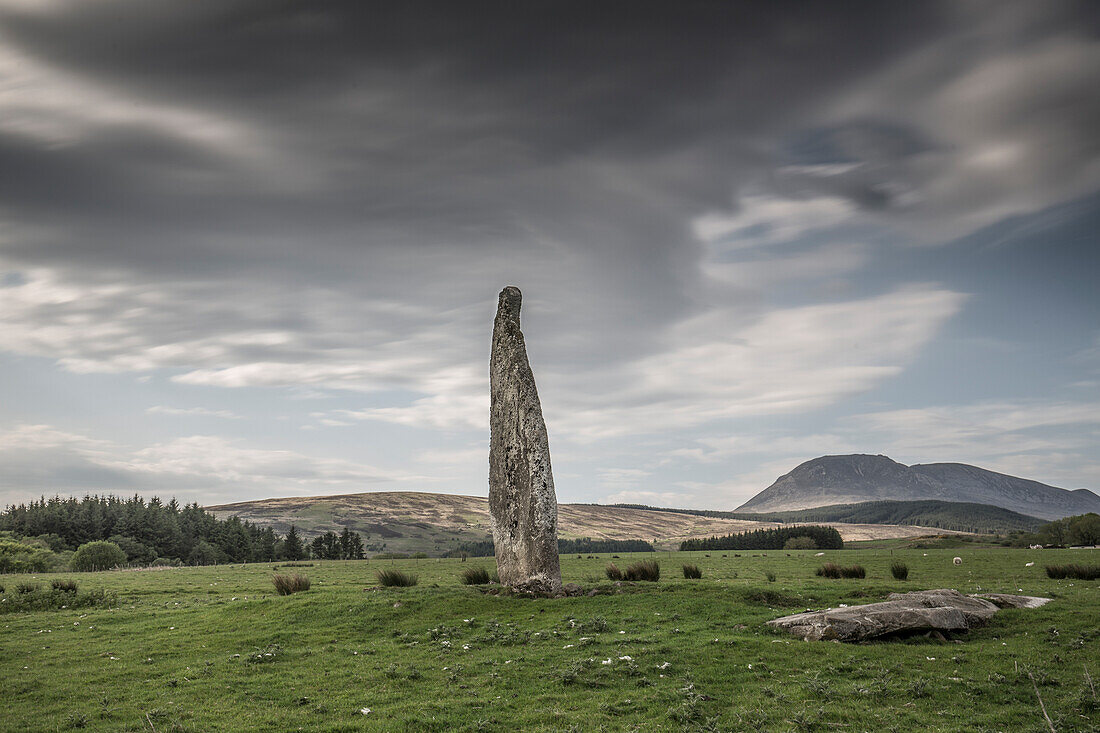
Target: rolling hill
x,y
853,479
958,516
435,523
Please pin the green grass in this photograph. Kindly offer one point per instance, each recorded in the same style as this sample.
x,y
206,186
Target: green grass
x,y
199,649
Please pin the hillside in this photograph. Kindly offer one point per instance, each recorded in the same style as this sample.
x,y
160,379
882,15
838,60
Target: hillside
x,y
853,479
435,523
958,516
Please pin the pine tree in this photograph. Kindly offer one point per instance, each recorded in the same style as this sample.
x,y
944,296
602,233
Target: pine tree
x,y
292,546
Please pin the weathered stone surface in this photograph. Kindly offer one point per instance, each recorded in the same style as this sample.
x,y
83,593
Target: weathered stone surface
x,y
522,502
903,613
1008,600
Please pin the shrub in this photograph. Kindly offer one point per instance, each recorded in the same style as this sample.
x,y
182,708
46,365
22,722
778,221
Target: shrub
x,y
37,599
26,588
802,542
899,570
23,557
98,555
287,584
692,572
1073,571
474,576
770,575
66,586
397,578
647,570
613,572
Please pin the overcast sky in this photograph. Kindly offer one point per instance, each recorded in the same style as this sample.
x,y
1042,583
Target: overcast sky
x,y
253,249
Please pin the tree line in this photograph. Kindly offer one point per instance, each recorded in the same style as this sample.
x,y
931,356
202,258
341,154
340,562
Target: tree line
x,y
166,533
1080,530
824,538
961,516
486,548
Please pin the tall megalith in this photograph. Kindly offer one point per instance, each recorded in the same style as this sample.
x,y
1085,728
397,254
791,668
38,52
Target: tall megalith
x,y
522,502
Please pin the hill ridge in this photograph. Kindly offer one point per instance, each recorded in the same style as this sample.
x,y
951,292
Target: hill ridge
x,y
410,521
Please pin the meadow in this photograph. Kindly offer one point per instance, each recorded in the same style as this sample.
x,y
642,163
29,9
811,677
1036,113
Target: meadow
x,y
214,648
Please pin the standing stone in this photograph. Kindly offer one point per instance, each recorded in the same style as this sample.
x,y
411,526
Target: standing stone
x,y
522,502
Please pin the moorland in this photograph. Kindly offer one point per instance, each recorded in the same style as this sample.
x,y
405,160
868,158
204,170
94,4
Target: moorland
x,y
215,648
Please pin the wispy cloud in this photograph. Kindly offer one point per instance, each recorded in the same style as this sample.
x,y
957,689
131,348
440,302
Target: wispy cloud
x,y
42,459
192,412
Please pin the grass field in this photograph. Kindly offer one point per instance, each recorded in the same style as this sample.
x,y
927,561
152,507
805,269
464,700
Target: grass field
x,y
205,649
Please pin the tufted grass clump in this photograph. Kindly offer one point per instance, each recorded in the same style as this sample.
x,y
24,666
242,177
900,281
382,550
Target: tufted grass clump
x,y
395,578
66,586
832,570
899,570
647,570
692,572
613,572
1073,571
473,576
288,584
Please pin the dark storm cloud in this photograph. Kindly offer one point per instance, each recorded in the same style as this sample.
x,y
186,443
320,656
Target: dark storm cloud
x,y
223,160
424,150
435,118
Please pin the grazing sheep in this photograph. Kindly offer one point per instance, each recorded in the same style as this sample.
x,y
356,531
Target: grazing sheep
x,y
958,561
1028,564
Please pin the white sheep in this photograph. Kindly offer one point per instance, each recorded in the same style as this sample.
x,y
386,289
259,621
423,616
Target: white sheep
x,y
958,561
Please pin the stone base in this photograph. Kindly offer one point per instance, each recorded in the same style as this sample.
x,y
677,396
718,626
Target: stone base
x,y
535,589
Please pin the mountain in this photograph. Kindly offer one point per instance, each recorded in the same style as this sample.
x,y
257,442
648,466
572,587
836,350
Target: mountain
x,y
854,479
408,521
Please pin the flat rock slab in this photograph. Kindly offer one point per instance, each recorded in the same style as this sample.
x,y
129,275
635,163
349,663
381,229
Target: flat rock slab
x,y
943,610
1008,600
